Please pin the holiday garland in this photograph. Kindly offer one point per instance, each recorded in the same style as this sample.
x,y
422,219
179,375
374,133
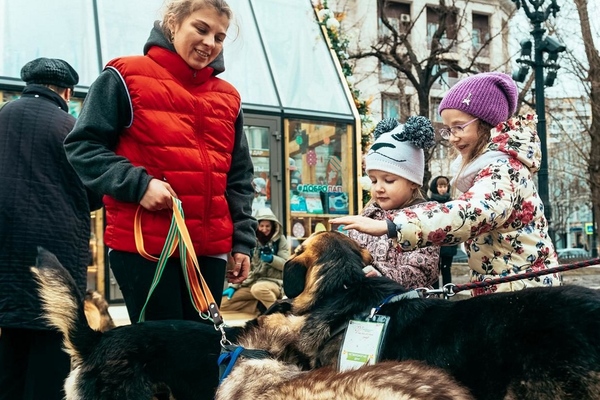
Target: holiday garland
x,y
339,43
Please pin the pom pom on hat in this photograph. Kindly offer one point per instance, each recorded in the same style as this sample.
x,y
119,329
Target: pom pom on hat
x,y
490,96
49,71
400,150
383,126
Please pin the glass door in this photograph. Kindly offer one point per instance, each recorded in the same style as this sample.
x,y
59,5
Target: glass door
x,y
264,140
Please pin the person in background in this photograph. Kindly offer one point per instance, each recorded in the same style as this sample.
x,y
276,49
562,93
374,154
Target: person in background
x,y
395,165
265,281
162,125
499,215
440,192
42,203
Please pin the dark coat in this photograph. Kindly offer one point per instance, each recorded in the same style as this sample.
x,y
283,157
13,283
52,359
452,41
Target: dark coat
x,y
445,251
42,202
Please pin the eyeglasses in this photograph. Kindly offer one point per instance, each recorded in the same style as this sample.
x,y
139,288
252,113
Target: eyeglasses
x,y
445,133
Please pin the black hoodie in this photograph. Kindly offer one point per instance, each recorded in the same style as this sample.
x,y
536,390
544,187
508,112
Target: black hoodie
x,y
445,251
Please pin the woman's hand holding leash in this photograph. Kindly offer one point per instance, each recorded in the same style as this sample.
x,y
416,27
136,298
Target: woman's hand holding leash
x,y
362,224
240,270
158,196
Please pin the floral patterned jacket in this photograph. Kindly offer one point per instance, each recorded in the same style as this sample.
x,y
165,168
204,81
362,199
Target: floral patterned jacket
x,y
500,217
412,269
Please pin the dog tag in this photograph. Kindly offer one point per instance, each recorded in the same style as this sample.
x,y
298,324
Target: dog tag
x,y
363,342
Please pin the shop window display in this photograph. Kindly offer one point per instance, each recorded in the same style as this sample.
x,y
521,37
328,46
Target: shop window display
x,y
320,165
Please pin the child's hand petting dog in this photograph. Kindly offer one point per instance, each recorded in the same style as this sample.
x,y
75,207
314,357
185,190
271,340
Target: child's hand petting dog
x,y
371,272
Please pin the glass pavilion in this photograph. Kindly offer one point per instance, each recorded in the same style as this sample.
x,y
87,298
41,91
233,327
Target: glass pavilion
x,y
300,120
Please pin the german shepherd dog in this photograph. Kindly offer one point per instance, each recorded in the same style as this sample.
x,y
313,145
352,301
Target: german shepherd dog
x,y
165,359
178,359
538,343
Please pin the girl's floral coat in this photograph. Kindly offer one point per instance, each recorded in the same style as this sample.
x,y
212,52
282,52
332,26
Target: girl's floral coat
x,y
500,218
412,269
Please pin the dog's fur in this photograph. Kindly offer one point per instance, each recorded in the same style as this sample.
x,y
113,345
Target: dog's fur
x,y
178,359
96,311
538,343
270,379
170,359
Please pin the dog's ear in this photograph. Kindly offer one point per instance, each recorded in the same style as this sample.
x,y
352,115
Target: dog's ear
x,y
46,259
294,278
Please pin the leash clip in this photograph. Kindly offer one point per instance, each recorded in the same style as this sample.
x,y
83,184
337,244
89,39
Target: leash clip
x,y
224,341
372,313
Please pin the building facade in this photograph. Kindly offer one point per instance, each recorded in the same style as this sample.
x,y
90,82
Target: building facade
x,y
568,121
476,38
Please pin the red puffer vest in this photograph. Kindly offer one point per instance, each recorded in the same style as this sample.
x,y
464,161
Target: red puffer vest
x,y
183,131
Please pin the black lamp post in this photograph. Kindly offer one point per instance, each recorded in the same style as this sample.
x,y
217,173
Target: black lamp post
x,y
538,15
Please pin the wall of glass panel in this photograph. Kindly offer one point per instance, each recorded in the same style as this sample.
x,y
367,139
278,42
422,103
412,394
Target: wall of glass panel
x,y
276,56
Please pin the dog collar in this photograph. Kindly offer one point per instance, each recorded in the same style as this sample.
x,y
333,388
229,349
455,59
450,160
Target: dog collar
x,y
411,294
230,354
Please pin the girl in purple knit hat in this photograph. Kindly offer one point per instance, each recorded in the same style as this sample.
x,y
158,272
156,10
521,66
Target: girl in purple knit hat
x,y
499,215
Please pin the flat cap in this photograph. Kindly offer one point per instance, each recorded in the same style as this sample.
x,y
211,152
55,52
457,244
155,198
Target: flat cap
x,y
49,71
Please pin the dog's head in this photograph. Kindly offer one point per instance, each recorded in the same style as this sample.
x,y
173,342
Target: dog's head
x,y
322,264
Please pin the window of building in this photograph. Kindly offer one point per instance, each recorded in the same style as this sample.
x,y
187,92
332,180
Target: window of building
x,y
433,22
446,80
479,67
480,35
386,72
434,115
390,106
397,14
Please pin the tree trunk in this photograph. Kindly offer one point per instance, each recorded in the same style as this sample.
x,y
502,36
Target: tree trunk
x,y
593,78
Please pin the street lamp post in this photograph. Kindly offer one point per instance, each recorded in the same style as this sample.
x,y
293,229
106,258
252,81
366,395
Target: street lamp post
x,y
538,15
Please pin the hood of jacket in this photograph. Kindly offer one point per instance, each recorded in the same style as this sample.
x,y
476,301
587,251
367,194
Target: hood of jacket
x,y
157,38
434,190
267,214
518,138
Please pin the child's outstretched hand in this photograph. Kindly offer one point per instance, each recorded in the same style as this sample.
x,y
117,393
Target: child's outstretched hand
x,y
362,224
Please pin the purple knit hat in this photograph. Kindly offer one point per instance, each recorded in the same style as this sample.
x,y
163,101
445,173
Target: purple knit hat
x,y
489,96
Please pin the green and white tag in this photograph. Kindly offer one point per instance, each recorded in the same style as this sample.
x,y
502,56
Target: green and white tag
x,y
362,342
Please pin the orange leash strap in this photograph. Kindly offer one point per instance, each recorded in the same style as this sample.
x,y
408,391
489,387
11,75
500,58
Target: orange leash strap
x,y
139,237
200,293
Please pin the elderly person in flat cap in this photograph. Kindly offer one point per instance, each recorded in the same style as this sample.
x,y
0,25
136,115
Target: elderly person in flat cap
x,y
42,203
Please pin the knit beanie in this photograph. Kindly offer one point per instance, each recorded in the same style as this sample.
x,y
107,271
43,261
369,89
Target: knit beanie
x,y
398,149
489,96
49,71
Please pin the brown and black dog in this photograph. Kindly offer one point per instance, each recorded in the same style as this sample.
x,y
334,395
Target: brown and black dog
x,y
538,343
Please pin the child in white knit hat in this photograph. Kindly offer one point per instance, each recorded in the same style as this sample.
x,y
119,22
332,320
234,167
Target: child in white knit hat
x,y
395,165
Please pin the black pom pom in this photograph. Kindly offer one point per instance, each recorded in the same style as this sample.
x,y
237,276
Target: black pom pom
x,y
383,126
419,131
